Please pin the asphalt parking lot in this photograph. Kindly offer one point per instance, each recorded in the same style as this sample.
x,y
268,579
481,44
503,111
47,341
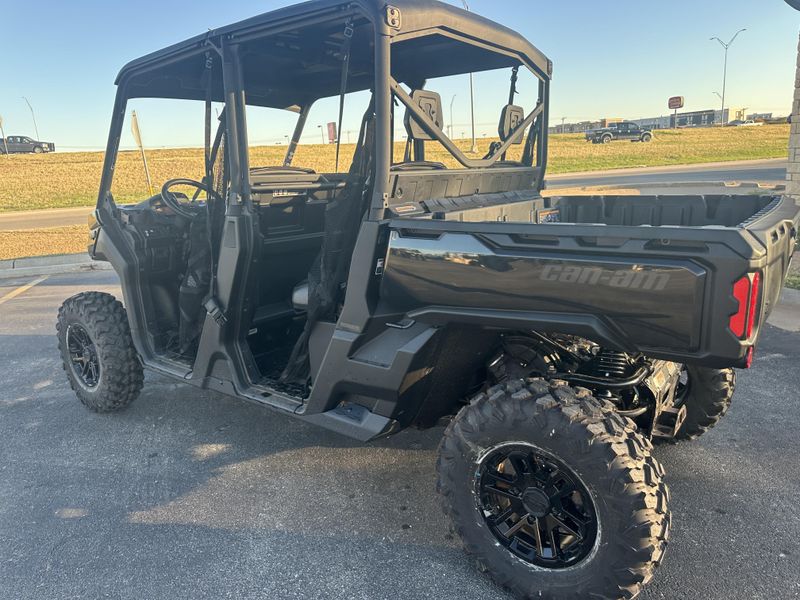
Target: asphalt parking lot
x,y
189,494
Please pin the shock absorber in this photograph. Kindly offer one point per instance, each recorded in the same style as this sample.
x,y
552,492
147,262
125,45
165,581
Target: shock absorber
x,y
612,364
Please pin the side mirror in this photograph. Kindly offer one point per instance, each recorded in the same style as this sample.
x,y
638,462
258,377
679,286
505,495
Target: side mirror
x,y
795,4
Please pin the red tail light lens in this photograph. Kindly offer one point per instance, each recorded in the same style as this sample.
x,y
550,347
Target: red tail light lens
x,y
755,288
746,291
741,291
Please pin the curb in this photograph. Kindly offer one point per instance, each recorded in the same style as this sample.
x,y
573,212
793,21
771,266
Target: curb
x,y
50,265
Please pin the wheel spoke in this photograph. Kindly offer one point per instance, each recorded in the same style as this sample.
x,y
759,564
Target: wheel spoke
x,y
504,516
520,464
567,528
501,492
498,477
517,526
556,549
537,533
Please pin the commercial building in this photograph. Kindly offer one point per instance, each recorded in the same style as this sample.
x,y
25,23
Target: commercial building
x,y
699,118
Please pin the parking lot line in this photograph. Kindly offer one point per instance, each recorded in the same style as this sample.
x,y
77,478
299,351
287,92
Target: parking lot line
x,y
22,289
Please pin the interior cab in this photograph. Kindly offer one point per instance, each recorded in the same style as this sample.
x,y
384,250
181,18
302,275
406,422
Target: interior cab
x,y
242,278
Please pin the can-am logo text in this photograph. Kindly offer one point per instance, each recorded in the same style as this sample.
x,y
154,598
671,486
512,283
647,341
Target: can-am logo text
x,y
627,279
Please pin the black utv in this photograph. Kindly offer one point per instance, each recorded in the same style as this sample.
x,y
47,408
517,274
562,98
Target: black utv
x,y
427,286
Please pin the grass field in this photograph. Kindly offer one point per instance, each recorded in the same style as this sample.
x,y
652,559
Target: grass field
x,y
43,242
59,180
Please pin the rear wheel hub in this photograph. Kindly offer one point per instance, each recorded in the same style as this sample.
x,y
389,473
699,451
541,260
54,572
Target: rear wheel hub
x,y
536,506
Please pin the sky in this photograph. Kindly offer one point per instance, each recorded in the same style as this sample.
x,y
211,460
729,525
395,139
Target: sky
x,y
620,58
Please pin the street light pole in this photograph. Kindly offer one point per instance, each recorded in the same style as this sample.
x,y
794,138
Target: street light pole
x,y
451,115
35,128
471,98
725,69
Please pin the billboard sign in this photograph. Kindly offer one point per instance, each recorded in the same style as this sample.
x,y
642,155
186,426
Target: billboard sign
x,y
676,102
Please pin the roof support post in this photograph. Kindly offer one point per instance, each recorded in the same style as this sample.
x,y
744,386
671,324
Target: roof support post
x,y
236,124
383,121
112,146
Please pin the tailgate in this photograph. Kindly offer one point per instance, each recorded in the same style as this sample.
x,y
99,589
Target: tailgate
x,y
775,228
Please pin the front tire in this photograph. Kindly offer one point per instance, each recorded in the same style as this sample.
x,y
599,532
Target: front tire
x,y
38,150
611,528
97,351
647,137
606,139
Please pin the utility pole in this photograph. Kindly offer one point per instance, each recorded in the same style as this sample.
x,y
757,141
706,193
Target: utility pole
x,y
451,116
3,135
725,68
722,116
471,98
322,133
35,128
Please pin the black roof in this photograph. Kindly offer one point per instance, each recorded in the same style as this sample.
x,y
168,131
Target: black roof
x,y
290,56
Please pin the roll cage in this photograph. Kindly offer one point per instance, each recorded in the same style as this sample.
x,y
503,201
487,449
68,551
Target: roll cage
x,y
264,61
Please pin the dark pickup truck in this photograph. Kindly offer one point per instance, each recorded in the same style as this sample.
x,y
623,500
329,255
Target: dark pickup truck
x,y
624,130
20,144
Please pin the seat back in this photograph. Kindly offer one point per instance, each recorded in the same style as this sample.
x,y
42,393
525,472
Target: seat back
x,y
510,119
431,105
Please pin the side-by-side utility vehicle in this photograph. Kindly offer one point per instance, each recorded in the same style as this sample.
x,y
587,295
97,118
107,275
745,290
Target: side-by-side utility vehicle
x,y
426,286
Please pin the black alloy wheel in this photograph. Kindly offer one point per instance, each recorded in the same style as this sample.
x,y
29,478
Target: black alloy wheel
x,y
83,355
536,506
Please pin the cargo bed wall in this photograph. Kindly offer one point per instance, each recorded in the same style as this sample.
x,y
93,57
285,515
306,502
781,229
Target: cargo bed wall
x,y
665,290
684,211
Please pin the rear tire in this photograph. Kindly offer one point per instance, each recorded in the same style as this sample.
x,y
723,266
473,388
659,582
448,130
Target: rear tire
x,y
581,440
707,394
647,137
97,351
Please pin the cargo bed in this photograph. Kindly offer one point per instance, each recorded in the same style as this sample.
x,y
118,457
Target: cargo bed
x,y
669,276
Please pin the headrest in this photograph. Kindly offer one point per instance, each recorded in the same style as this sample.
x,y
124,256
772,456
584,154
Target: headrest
x,y
511,118
431,105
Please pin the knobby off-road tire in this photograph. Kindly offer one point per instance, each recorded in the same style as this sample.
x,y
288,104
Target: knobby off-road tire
x,y
707,396
97,351
601,449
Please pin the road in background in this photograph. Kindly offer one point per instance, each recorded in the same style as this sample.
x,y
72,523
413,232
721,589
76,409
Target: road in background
x,y
190,494
768,171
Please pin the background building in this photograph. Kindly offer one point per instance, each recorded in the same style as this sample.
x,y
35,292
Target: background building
x,y
698,118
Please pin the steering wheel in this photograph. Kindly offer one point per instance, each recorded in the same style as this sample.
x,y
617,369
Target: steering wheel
x,y
185,209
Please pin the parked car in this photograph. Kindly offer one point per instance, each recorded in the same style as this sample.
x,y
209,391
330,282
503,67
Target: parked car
x,y
742,123
625,130
20,144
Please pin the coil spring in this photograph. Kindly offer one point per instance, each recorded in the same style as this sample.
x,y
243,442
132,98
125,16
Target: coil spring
x,y
612,363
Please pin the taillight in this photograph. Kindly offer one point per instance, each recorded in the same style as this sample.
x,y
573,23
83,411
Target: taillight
x,y
755,287
746,291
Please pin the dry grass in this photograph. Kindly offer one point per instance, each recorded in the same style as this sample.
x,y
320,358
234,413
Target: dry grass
x,y
71,179
43,242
